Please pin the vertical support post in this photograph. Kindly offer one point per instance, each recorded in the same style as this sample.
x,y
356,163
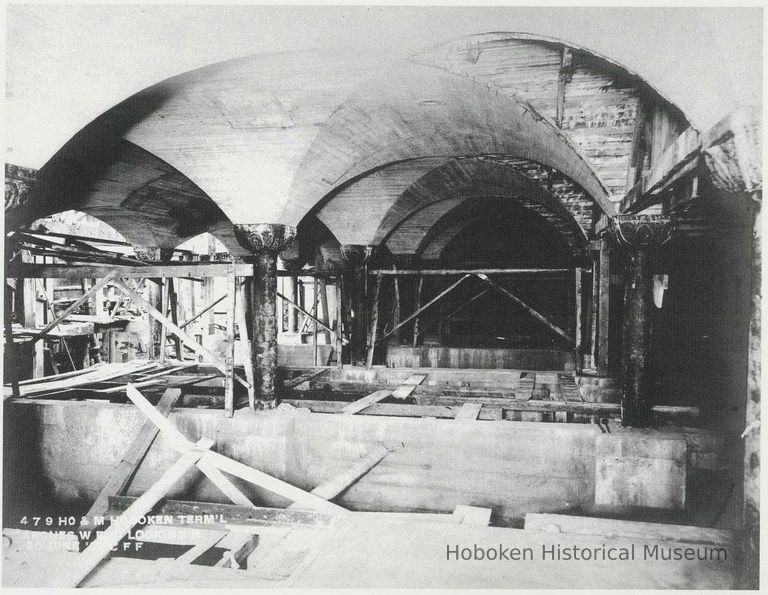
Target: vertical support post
x,y
324,315
10,345
638,235
164,297
173,306
30,318
339,320
603,312
154,297
314,323
242,322
415,309
593,309
229,354
265,241
374,322
294,313
395,338
577,333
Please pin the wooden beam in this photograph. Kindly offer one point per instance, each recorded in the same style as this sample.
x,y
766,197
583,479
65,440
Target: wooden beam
x,y
220,481
187,340
681,156
603,312
469,411
374,323
367,401
425,306
463,305
417,307
125,469
294,382
303,311
74,306
253,515
102,546
174,269
330,489
448,272
537,315
179,442
339,322
246,342
229,354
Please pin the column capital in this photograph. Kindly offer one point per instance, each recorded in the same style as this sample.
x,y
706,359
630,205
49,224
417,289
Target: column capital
x,y
329,259
356,255
269,238
641,231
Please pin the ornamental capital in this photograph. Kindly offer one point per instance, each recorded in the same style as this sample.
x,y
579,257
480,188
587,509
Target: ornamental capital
x,y
260,238
355,255
640,231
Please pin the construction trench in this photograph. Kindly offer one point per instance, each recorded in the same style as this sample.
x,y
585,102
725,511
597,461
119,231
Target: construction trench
x,y
538,336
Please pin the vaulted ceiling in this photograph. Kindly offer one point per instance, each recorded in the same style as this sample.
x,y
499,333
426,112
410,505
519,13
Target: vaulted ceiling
x,y
377,150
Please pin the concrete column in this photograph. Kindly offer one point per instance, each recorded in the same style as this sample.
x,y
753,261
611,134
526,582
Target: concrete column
x,y
639,236
265,241
356,258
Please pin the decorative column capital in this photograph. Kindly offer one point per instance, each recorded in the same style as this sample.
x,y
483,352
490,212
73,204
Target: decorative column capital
x,y
328,259
641,231
355,255
18,185
261,238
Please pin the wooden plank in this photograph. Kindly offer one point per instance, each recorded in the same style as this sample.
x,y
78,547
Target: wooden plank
x,y
102,374
206,543
445,272
132,458
492,413
360,404
175,269
417,307
469,411
568,387
328,490
403,391
307,315
420,310
603,312
246,341
528,308
339,322
473,515
102,546
186,339
75,305
225,485
178,441
229,354
299,380
524,390
374,323
238,551
272,484
611,529
255,516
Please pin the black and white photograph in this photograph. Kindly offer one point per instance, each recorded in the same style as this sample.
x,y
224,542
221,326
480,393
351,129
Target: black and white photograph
x,y
382,296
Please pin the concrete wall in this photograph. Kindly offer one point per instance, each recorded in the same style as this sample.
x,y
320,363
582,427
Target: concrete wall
x,y
464,357
58,455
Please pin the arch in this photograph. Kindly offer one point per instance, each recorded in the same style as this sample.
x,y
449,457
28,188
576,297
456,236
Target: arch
x,y
423,112
467,178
